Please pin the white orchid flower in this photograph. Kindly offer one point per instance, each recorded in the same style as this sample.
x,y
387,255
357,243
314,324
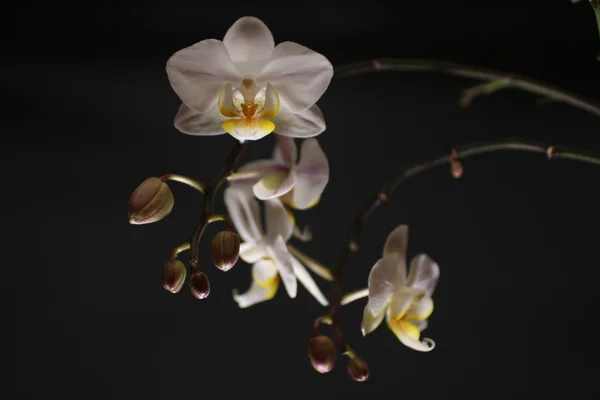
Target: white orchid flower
x,y
404,300
267,250
299,185
248,87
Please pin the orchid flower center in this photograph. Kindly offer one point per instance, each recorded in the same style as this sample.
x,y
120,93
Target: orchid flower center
x,y
248,109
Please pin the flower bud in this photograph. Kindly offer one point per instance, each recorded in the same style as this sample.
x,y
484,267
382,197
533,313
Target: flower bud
x,y
199,285
173,276
150,202
358,369
321,352
225,250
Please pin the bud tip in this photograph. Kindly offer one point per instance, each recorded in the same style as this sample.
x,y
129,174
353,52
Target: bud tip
x,y
225,250
199,285
321,352
358,369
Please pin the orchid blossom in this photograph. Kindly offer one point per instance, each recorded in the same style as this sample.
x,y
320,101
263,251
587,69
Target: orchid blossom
x,y
248,87
299,185
405,301
267,250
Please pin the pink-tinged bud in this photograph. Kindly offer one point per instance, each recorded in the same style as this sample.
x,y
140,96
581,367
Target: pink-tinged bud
x,y
173,276
321,352
456,168
150,202
358,369
225,250
199,285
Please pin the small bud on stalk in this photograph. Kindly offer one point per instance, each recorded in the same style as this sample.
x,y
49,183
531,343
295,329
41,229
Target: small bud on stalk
x,y
150,202
225,250
321,352
199,285
358,369
456,167
173,276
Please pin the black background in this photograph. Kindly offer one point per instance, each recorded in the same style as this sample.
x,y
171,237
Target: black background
x,y
90,115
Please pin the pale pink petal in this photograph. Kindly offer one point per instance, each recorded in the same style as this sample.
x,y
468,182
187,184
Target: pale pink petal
x,y
308,282
370,322
283,259
285,152
382,281
194,123
312,174
249,39
251,252
303,124
199,72
278,222
300,75
397,241
424,274
244,212
250,173
274,185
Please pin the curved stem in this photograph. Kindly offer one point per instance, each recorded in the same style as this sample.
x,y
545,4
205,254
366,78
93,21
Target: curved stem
x,y
461,152
496,80
209,199
199,186
179,249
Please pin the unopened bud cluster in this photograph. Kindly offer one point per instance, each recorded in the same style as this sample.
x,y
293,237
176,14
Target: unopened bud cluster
x,y
322,356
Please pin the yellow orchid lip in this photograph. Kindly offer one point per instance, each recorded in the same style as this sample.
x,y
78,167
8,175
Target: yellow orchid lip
x,y
249,128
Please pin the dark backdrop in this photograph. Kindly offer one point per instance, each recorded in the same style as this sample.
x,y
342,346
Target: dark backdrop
x,y
90,116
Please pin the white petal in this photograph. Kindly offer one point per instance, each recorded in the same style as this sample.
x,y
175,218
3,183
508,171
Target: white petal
x,y
249,39
424,274
420,310
370,322
252,252
382,282
255,294
199,72
302,124
300,75
264,272
274,185
400,304
255,170
267,165
278,222
421,325
312,174
397,241
195,123
244,212
285,152
283,259
307,281
410,335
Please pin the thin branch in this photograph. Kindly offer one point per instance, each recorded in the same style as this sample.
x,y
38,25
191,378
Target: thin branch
x,y
469,150
209,198
496,80
199,186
